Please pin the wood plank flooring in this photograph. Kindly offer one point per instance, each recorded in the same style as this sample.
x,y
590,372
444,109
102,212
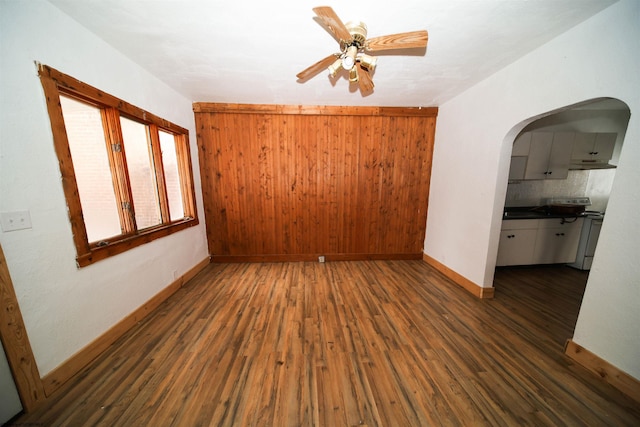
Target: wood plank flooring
x,y
370,343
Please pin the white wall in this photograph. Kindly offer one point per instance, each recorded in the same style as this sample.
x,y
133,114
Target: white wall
x,y
598,58
64,307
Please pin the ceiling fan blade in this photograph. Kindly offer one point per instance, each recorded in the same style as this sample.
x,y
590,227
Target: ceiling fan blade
x,y
331,20
365,82
410,40
317,67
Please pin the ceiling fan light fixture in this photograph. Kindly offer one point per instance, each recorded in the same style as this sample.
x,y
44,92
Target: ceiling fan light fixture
x,y
353,75
353,41
349,58
335,67
368,62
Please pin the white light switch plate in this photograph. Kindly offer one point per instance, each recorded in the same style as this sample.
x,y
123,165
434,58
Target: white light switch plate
x,y
12,221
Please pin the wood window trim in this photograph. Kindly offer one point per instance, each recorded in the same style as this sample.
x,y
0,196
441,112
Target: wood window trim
x,y
55,84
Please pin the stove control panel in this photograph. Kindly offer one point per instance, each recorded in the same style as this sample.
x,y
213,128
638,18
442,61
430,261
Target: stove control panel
x,y
584,201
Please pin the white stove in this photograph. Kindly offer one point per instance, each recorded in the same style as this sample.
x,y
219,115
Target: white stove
x,y
590,229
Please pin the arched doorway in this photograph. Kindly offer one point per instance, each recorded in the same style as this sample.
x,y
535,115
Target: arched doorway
x,y
582,178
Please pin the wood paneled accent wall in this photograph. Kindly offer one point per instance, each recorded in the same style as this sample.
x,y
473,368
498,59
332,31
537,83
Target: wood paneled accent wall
x,y
296,182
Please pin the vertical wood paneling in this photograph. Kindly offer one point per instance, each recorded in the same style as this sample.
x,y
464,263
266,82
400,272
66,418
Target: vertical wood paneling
x,y
284,182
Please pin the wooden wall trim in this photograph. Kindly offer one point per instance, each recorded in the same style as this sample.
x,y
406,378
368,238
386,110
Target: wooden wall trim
x,y
468,285
53,380
16,343
605,370
311,257
211,107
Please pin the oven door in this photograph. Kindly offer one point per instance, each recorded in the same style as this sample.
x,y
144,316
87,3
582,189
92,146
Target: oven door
x,y
594,234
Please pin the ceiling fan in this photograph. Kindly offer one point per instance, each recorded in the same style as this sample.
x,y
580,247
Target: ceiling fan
x,y
352,37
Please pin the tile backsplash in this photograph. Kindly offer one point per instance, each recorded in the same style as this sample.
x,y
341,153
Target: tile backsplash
x,y
595,184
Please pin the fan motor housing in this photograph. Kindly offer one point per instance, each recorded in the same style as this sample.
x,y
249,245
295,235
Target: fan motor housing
x,y
358,31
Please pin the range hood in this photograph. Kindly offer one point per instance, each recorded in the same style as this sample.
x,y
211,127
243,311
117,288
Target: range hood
x,y
590,164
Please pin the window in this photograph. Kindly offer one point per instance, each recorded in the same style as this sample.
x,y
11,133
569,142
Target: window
x,y
126,173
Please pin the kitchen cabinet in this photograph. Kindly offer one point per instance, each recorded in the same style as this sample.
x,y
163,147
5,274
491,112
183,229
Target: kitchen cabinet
x,y
517,242
519,156
557,241
517,168
549,155
593,147
538,241
522,145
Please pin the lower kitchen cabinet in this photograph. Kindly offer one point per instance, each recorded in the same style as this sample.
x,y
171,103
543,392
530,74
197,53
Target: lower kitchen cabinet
x,y
517,242
557,242
538,241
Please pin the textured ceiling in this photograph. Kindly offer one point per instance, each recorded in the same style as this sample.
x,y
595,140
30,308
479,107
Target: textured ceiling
x,y
250,51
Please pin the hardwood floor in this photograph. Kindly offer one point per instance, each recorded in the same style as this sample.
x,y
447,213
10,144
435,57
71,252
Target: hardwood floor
x,y
343,344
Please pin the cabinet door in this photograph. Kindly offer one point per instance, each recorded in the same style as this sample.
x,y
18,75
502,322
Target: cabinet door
x,y
518,166
604,145
516,247
560,156
595,147
557,244
539,152
521,145
583,146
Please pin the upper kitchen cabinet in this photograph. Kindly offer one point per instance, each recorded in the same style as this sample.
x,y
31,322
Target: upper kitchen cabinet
x,y
519,156
549,155
591,149
585,137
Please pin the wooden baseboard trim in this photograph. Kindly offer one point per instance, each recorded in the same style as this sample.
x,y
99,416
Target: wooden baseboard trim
x,y
605,370
468,285
311,257
54,379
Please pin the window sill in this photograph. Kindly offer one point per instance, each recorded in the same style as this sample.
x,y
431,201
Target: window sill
x,y
122,244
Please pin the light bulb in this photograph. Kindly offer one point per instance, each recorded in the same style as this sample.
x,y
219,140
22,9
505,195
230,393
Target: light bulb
x,y
349,58
347,62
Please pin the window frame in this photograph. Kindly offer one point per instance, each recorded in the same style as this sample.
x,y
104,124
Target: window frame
x,y
56,84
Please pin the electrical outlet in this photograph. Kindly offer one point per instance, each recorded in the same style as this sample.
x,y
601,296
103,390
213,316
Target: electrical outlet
x,y
321,258
12,221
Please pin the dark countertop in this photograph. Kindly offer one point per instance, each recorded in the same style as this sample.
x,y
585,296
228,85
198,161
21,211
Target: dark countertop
x,y
541,212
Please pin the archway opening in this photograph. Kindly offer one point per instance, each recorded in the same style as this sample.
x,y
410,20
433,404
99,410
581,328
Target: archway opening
x,y
559,158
